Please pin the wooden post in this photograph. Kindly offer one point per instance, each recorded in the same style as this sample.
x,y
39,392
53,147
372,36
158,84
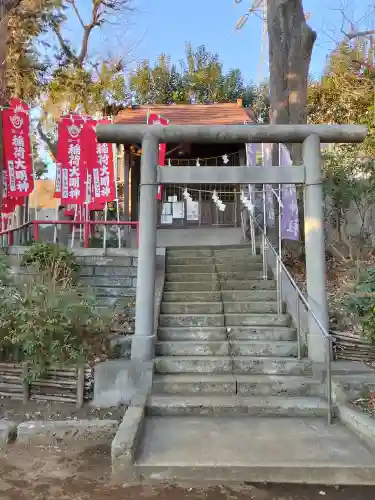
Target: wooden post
x,y
25,382
80,386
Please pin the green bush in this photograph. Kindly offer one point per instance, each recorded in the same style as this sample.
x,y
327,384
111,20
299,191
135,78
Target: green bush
x,y
58,263
49,321
362,303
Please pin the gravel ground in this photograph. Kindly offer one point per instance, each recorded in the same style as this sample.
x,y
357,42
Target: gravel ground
x,y
83,473
34,410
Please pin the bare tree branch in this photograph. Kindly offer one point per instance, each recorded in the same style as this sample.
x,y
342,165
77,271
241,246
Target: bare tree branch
x,y
79,17
64,46
12,4
95,21
52,145
358,34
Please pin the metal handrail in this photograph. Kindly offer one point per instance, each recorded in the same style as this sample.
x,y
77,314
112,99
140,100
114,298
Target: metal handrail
x,y
327,337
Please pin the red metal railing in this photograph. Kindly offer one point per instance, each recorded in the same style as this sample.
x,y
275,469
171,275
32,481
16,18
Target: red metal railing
x,y
87,224
10,232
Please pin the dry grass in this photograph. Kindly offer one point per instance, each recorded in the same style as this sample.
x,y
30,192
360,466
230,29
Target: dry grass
x,y
341,279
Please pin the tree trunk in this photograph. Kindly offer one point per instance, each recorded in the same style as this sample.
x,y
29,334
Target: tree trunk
x,y
291,42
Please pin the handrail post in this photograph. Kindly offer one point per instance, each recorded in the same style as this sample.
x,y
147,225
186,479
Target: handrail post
x,y
35,231
298,319
10,238
329,377
264,256
86,234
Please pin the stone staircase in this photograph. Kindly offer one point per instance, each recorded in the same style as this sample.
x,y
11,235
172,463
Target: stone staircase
x,y
222,349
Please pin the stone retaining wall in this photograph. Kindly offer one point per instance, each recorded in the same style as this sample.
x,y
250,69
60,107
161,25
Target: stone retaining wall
x,y
56,432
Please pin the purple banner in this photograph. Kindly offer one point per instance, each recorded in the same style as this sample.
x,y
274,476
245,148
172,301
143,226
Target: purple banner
x,y
267,162
289,211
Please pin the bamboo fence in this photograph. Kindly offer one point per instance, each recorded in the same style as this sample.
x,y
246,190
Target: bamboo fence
x,y
64,385
353,348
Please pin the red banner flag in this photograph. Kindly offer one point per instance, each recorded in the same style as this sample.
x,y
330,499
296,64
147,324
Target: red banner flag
x,y
154,119
100,168
8,205
17,149
73,170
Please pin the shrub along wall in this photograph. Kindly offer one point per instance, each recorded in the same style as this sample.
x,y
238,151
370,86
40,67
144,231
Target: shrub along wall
x,y
50,326
110,278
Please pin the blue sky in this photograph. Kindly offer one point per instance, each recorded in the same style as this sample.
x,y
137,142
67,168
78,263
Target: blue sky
x,y
165,25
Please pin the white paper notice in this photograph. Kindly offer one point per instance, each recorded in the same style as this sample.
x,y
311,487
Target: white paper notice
x,y
172,199
166,219
178,211
167,209
192,210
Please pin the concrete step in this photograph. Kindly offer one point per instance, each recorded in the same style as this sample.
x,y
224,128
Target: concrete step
x,y
191,307
192,333
236,319
230,251
248,284
239,256
225,348
272,365
276,385
226,296
192,296
193,384
271,333
229,405
238,364
196,348
247,295
184,450
191,364
189,261
191,286
230,267
243,385
263,348
218,260
238,266
191,320
190,252
239,275
244,333
256,306
186,277
191,269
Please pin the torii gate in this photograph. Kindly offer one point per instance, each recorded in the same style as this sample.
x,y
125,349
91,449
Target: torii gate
x,y
309,174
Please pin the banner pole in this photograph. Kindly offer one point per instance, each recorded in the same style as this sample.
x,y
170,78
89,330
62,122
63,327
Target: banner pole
x,y
105,227
73,226
115,160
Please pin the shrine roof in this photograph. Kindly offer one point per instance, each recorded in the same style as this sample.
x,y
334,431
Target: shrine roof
x,y
189,114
